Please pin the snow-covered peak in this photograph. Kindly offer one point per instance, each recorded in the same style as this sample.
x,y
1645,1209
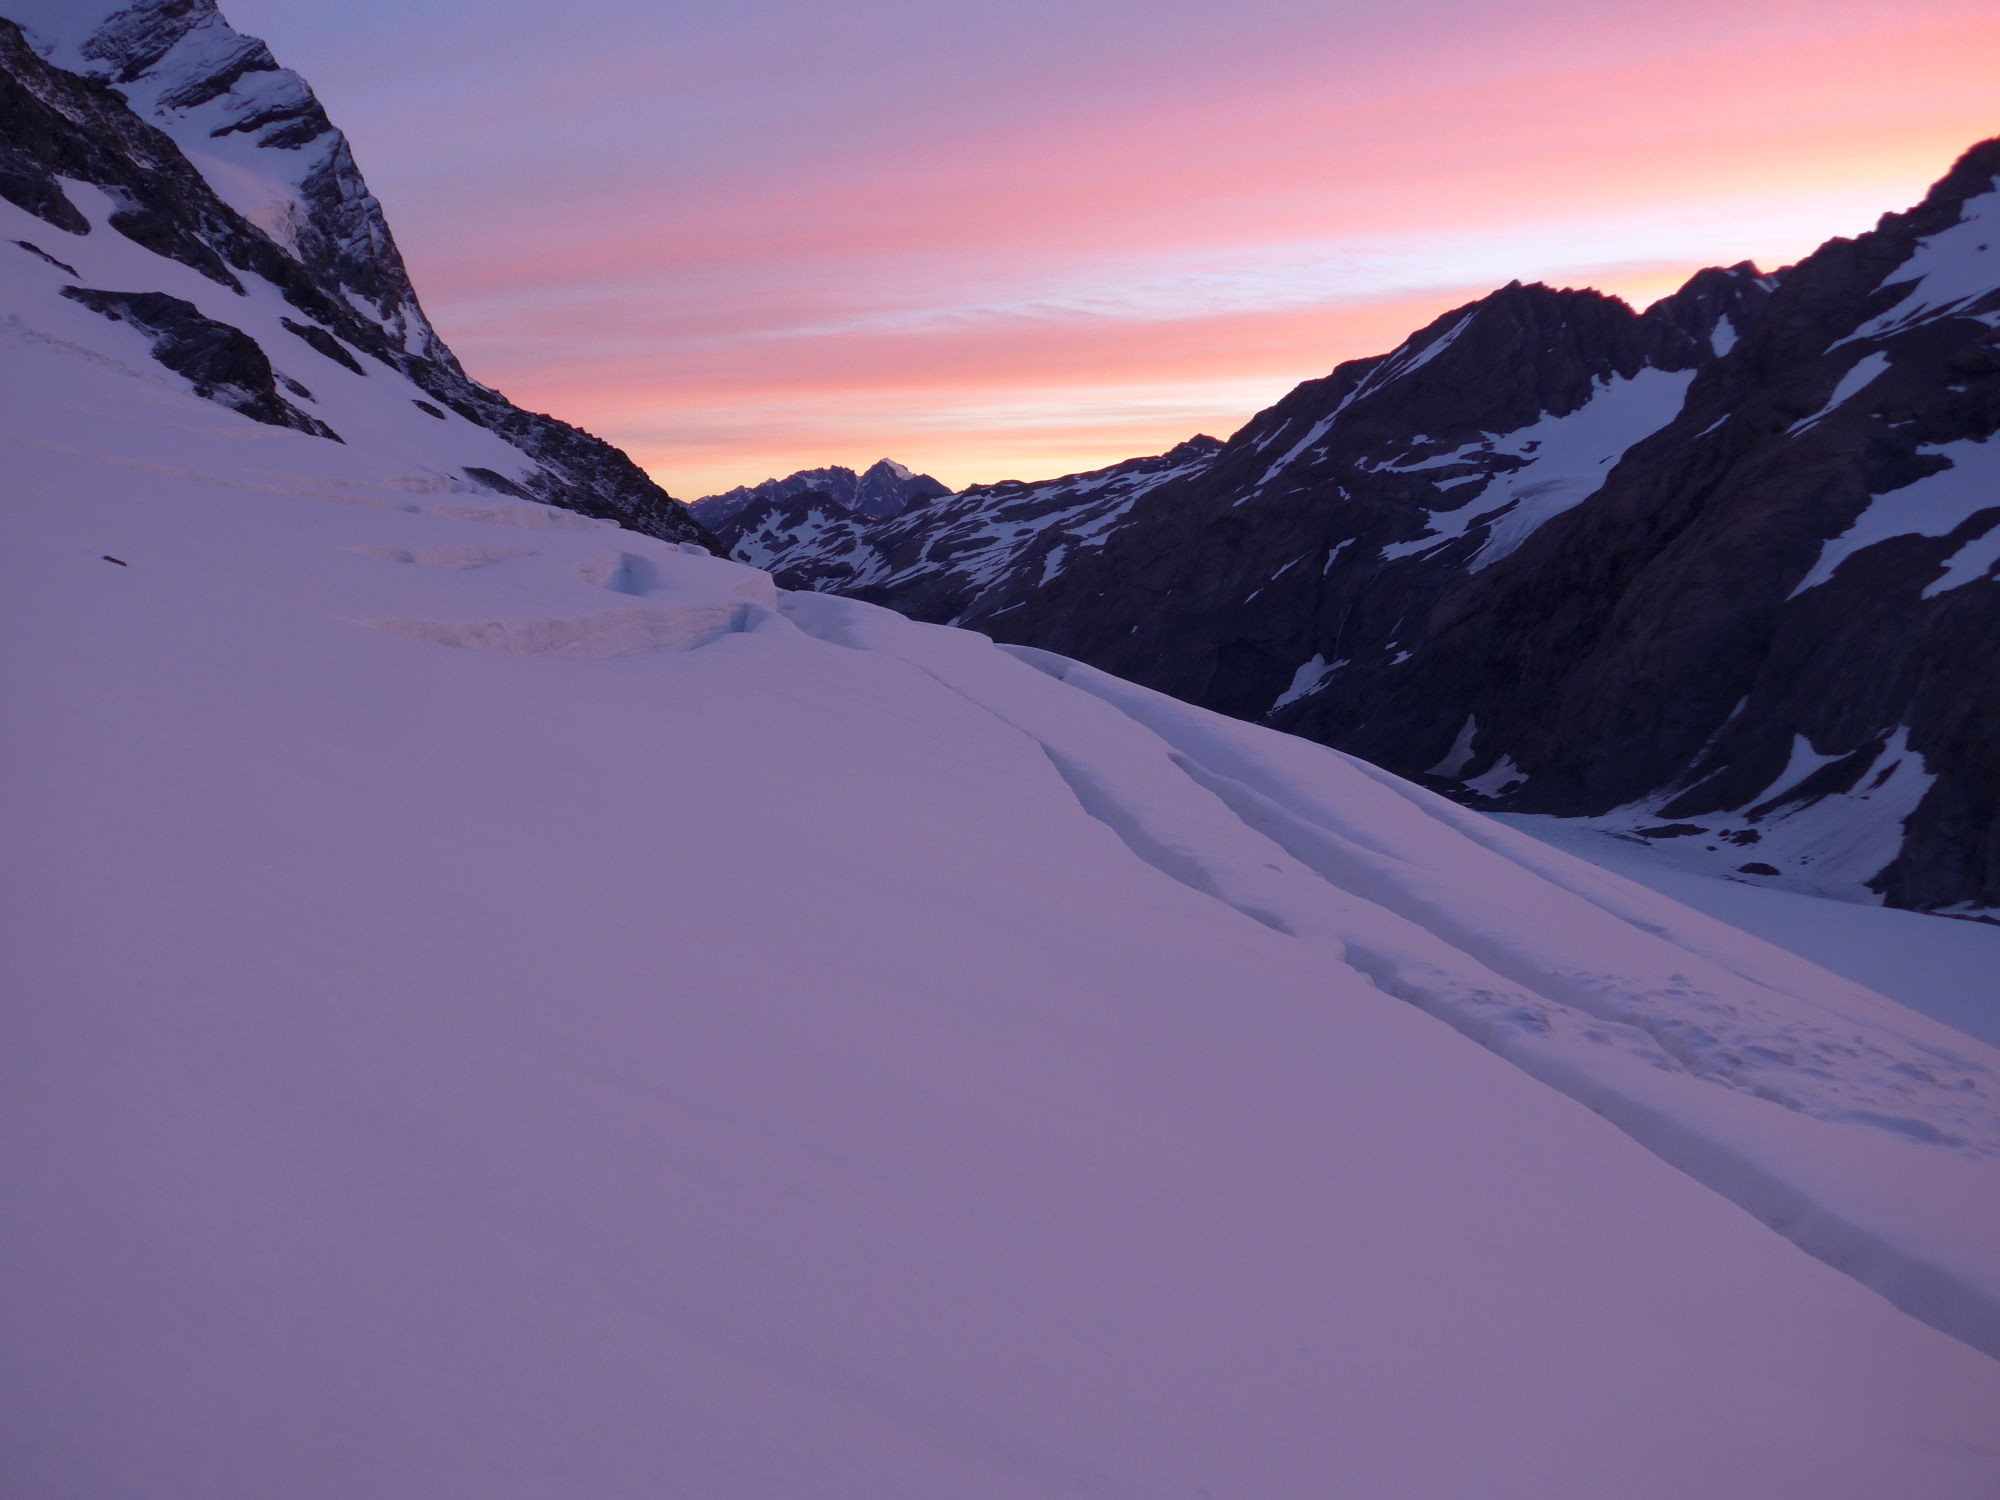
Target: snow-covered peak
x,y
255,131
1714,306
202,199
952,550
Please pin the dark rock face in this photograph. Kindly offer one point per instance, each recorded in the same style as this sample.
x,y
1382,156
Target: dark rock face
x,y
1780,608
325,343
1334,519
883,490
1722,571
54,124
36,250
166,66
224,364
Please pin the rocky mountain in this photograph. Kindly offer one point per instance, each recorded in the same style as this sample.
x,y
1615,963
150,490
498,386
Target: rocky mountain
x,y
158,123
1719,573
883,490
957,554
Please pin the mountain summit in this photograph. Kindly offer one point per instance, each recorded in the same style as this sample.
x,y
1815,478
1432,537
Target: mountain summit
x,y
884,489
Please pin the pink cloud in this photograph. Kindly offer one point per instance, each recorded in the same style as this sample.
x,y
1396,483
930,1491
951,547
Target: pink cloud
x,y
750,252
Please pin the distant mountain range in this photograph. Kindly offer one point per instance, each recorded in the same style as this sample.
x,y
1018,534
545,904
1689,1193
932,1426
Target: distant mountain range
x,y
883,490
942,555
1720,573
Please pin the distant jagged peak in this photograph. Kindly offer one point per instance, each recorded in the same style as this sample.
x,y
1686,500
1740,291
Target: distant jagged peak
x,y
1199,445
1716,305
884,489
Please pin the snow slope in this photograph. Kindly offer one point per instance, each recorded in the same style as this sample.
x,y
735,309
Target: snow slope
x,y
505,1006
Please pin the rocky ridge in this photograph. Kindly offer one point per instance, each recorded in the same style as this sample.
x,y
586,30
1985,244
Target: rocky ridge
x,y
883,490
219,159
948,557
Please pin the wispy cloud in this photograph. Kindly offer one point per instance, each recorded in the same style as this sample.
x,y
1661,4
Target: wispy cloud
x,y
997,239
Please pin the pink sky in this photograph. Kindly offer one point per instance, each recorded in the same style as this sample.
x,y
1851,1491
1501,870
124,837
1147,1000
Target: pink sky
x,y
1007,242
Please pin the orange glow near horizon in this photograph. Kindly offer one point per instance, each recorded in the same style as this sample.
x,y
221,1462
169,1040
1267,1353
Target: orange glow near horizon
x,y
1014,243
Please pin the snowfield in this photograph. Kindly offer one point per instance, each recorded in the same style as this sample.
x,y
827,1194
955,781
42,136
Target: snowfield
x,y
1942,966
502,1006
